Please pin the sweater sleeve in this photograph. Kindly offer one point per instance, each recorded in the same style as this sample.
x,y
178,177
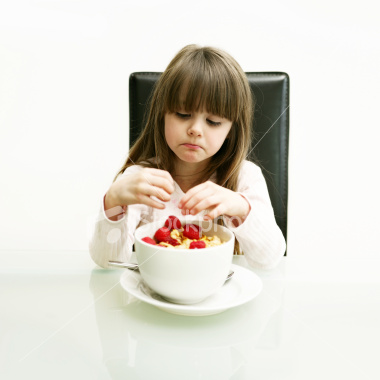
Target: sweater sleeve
x,y
113,240
260,238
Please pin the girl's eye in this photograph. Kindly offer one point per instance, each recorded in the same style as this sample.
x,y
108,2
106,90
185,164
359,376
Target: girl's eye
x,y
182,115
214,123
188,115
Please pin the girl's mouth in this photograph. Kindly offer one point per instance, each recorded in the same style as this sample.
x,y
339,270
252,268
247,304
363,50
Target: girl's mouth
x,y
192,146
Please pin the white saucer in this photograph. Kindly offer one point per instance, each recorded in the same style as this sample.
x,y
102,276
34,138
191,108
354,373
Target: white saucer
x,y
240,289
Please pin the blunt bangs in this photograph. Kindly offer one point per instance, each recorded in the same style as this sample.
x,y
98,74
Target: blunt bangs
x,y
204,83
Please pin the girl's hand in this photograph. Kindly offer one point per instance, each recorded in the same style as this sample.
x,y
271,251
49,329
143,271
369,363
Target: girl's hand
x,y
138,188
217,200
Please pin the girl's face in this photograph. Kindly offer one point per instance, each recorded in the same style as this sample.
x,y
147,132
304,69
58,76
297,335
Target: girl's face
x,y
195,137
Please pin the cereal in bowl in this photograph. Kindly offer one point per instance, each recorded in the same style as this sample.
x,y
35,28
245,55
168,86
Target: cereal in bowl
x,y
189,236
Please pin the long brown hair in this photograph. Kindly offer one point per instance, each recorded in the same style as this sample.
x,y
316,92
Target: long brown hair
x,y
199,78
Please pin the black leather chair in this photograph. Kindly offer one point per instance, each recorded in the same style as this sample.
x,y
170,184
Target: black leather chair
x,y
271,129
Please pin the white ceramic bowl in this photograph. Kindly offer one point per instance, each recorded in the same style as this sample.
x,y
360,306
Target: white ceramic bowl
x,y
185,276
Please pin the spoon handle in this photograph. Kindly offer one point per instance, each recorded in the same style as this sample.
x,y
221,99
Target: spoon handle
x,y
120,264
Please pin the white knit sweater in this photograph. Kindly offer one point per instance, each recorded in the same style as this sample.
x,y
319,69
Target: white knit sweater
x,y
259,237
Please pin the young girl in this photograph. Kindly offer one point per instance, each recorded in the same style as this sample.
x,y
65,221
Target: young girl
x,y
190,160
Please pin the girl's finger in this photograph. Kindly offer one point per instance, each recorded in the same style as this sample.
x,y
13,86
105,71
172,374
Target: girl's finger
x,y
204,204
214,213
159,173
196,193
190,194
146,200
145,189
160,182
157,192
199,197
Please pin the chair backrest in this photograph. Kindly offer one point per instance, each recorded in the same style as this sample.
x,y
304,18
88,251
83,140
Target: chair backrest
x,y
271,129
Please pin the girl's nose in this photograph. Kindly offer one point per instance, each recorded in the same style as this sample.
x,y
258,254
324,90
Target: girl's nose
x,y
195,129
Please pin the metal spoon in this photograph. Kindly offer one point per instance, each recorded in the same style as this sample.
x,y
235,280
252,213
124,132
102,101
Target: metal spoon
x,y
120,264
130,266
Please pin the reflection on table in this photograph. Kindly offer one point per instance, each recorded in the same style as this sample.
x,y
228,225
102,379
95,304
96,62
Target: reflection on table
x,y
62,317
142,340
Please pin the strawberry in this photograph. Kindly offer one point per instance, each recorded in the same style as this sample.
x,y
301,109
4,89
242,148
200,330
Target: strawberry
x,y
163,234
149,240
192,231
197,244
173,222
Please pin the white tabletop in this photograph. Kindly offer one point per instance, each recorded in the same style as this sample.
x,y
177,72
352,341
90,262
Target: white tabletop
x,y
62,317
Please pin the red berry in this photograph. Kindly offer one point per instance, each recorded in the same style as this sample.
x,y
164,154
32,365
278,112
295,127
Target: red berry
x,y
173,242
192,231
149,240
197,244
173,222
163,234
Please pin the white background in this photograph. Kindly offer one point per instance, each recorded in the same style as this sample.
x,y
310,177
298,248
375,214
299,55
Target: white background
x,y
64,69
